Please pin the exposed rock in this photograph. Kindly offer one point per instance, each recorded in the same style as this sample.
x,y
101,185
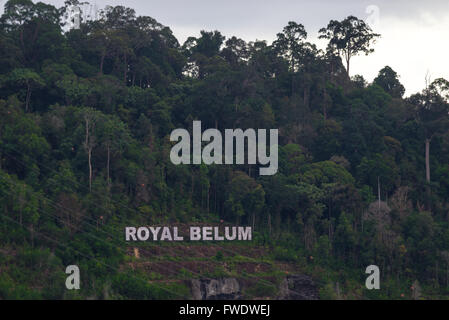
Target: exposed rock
x,y
298,287
293,287
216,289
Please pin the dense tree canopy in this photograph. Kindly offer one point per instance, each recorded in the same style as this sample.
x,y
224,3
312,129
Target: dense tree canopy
x,y
85,119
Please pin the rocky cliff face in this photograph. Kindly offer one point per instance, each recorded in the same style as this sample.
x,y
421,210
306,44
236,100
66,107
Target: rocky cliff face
x,y
298,287
216,289
293,287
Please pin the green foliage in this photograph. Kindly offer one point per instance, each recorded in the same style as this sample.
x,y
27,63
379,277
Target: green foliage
x,y
132,287
219,256
261,289
388,80
349,37
285,254
85,119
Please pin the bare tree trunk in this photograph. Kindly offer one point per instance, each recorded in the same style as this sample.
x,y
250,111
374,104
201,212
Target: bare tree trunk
x,y
325,103
254,220
28,97
102,62
108,166
90,169
348,57
428,202
378,191
269,224
428,160
330,222
88,146
32,235
126,69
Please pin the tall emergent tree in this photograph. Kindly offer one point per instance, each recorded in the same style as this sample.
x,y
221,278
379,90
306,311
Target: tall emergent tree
x,y
27,78
388,80
348,38
290,42
432,113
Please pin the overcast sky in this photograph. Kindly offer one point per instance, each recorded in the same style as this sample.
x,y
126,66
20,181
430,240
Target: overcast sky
x,y
415,34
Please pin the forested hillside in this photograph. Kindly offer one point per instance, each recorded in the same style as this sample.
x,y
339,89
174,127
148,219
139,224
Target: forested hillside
x,y
85,120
